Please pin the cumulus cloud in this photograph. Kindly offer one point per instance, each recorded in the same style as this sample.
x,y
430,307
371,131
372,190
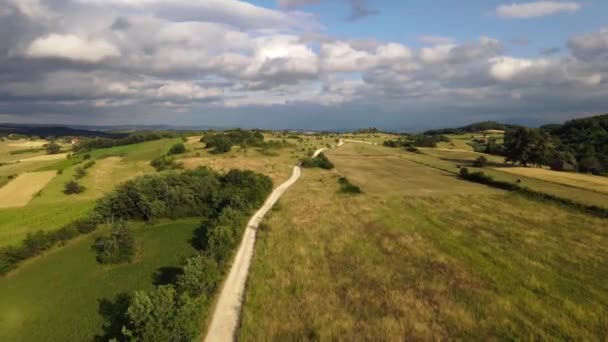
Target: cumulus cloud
x,y
358,8
71,47
536,9
591,46
187,91
147,58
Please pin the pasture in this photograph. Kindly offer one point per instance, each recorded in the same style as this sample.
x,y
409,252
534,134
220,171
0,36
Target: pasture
x,y
52,209
579,180
58,297
426,257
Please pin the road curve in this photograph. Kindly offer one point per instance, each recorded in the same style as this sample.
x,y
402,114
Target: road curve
x,y
225,320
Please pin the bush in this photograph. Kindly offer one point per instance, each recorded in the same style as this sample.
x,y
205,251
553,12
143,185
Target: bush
x,y
482,161
164,163
413,149
200,276
162,314
73,187
320,161
177,149
53,148
80,173
89,165
347,187
117,247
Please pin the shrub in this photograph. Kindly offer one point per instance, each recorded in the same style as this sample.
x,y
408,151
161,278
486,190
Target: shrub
x,y
89,165
320,161
347,187
162,314
412,149
53,148
482,161
164,163
73,187
80,173
117,247
177,149
200,276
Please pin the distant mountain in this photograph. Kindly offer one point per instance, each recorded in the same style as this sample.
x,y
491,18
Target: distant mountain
x,y
473,128
44,131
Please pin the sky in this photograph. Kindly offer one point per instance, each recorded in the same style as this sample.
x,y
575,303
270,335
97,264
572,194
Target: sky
x,y
305,64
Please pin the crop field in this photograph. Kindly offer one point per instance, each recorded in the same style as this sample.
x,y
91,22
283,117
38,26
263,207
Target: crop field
x,y
427,257
20,191
57,297
45,157
51,208
590,182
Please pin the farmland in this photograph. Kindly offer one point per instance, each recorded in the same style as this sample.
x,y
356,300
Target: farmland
x,y
420,253
44,300
425,255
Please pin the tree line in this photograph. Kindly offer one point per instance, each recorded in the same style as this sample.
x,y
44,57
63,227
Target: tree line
x,y
92,144
172,312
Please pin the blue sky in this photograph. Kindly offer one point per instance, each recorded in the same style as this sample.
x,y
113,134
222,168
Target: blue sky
x,y
320,64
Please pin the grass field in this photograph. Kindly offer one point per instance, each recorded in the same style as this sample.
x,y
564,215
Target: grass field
x,y
52,208
590,182
422,255
450,160
20,191
57,297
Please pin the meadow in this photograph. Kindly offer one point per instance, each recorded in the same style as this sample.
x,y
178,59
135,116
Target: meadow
x,y
423,255
58,296
420,254
50,209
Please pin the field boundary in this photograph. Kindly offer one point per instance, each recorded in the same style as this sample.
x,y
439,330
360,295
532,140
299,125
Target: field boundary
x,y
481,178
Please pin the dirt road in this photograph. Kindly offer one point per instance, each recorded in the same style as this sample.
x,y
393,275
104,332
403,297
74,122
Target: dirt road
x,y
226,315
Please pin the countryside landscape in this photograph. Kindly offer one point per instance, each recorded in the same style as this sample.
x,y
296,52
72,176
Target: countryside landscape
x,y
303,170
382,234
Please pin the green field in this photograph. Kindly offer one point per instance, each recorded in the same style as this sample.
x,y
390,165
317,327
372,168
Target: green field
x,y
52,208
57,297
424,256
421,254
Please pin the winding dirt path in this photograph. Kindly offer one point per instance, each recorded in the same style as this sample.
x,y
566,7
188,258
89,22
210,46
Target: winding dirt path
x,y
225,320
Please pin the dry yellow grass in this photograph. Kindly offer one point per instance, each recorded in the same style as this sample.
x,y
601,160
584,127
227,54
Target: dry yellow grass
x,y
595,183
45,157
20,191
28,144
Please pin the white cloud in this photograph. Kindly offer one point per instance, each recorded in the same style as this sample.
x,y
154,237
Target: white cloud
x,y
536,9
591,46
187,91
233,12
71,47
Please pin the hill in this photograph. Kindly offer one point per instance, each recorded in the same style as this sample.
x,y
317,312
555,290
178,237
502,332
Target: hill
x,y
54,131
472,128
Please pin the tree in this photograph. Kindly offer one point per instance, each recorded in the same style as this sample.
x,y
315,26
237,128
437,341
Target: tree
x,y
589,161
526,145
162,314
201,275
73,187
223,145
178,149
482,161
53,148
117,247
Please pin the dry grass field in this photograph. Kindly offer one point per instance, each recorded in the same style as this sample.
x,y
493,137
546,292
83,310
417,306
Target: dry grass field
x,y
45,157
422,255
595,183
19,192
